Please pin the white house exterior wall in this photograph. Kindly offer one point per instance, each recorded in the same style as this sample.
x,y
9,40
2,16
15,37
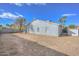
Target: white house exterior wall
x,y
73,32
44,28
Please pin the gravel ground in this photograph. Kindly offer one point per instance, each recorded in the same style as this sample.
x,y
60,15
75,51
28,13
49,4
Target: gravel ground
x,y
11,45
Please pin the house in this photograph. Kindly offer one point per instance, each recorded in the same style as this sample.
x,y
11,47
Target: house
x,y
77,27
44,27
73,32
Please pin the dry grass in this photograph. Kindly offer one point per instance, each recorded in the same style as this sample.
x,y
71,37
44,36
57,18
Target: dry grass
x,y
67,44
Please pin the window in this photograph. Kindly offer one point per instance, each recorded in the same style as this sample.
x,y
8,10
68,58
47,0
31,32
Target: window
x,y
32,29
37,29
46,29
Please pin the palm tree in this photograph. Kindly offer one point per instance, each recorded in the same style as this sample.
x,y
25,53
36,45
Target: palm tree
x,y
62,23
21,22
62,20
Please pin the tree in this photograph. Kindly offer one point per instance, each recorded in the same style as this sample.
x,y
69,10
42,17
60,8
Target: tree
x,y
0,25
7,25
1,28
72,26
62,20
21,22
64,30
11,25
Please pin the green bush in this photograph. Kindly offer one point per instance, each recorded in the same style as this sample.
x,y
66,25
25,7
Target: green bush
x,y
72,26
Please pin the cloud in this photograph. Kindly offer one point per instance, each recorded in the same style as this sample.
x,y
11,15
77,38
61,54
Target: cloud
x,y
40,3
69,14
9,15
18,4
19,14
28,4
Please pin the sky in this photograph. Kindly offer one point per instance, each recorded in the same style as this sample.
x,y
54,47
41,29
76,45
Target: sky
x,y
9,12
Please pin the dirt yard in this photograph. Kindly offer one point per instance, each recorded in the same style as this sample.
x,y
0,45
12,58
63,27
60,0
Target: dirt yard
x,y
11,45
68,45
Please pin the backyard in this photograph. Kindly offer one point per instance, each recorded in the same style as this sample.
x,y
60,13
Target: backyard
x,y
38,45
12,45
67,44
38,30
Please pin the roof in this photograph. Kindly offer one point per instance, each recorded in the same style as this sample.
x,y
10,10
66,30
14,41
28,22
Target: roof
x,y
77,27
40,21
46,21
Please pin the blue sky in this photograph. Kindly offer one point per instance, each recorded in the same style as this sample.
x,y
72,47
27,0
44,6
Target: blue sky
x,y
52,11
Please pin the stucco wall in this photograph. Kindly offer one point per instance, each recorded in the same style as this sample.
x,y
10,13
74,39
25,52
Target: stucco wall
x,y
44,28
73,32
53,30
